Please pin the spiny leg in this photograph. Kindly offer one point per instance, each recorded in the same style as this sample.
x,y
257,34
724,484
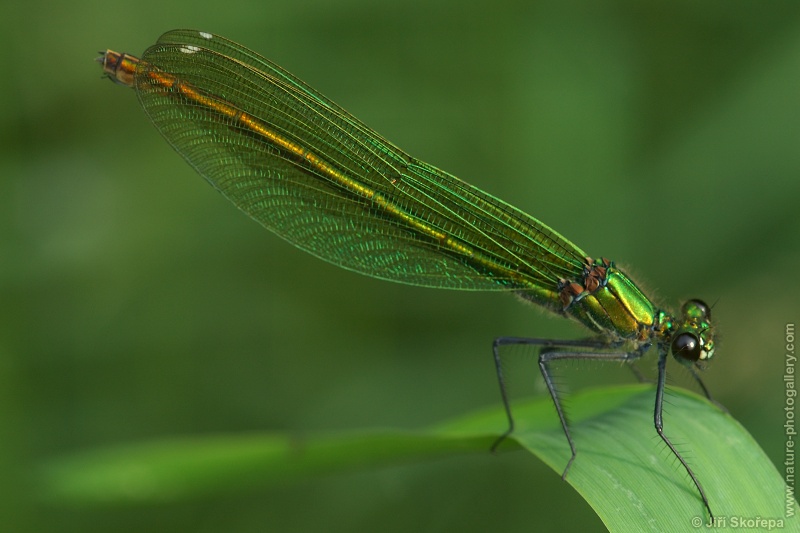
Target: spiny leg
x,y
550,356
703,387
662,373
545,357
506,341
641,378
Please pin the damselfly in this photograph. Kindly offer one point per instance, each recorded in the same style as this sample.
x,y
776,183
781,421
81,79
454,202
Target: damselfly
x,y
318,177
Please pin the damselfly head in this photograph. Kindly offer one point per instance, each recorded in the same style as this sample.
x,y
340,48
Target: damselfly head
x,y
693,340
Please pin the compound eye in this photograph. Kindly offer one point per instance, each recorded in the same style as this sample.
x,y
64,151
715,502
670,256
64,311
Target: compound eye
x,y
687,346
696,309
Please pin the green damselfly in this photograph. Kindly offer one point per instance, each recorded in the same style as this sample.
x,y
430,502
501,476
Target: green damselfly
x,y
321,179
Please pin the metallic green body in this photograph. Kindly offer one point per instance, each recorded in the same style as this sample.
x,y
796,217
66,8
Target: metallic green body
x,y
618,307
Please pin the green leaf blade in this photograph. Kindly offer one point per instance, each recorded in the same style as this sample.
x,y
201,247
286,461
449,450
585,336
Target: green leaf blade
x,y
622,469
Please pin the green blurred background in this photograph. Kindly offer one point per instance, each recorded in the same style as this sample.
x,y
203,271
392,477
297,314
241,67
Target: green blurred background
x,y
138,304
